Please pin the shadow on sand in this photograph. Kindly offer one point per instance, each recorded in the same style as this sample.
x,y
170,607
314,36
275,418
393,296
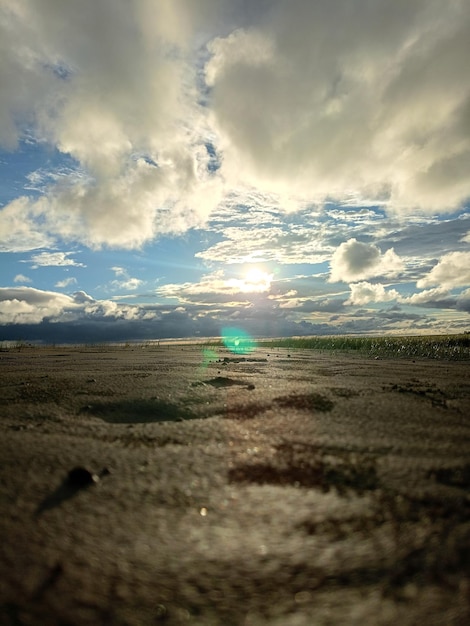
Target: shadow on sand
x,y
139,411
77,479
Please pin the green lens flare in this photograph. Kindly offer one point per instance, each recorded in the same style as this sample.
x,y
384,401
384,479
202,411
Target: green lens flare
x,y
237,340
208,356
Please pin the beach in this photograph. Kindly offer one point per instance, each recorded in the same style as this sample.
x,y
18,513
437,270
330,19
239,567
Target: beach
x,y
185,484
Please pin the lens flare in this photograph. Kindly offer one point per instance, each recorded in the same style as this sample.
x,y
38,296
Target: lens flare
x,y
208,356
237,340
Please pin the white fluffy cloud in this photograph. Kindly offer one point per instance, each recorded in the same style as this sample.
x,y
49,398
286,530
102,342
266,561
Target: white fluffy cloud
x,y
428,296
21,278
311,99
110,84
331,97
26,305
453,270
364,292
123,280
54,259
18,228
354,260
61,284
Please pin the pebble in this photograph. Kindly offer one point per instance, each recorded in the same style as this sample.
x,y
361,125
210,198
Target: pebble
x,y
81,477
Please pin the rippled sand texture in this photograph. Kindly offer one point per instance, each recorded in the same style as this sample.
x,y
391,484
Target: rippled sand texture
x,y
147,485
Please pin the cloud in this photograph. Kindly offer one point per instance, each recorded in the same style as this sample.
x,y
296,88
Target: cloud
x,y
463,301
453,270
318,305
32,314
309,100
41,179
129,283
257,228
21,278
364,292
354,260
214,288
61,284
53,259
81,297
423,237
438,298
334,98
119,271
21,83
432,298
26,305
18,228
123,280
111,85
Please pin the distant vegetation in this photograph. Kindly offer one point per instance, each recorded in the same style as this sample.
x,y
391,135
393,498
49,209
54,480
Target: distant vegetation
x,y
449,347
445,347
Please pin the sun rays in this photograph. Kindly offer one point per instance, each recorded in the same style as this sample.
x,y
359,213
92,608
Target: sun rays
x,y
255,280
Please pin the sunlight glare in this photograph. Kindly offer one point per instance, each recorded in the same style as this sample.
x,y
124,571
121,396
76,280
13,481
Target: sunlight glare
x,y
237,340
256,280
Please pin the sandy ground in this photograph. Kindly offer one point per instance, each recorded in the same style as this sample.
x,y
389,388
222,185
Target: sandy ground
x,y
284,489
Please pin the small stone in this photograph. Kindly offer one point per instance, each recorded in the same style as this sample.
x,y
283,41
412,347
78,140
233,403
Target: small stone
x,y
81,477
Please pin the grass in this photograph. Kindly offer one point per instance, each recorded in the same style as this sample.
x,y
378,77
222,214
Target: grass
x,y
446,347
443,347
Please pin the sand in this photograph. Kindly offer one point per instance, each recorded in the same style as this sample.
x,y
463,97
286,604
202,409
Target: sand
x,y
147,485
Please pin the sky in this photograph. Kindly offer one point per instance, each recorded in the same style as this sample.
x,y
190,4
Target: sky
x,y
171,168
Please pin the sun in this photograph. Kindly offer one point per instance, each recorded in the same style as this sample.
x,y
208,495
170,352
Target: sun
x,y
256,280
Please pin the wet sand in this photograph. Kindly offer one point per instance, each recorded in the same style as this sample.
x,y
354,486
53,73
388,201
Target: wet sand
x,y
292,489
